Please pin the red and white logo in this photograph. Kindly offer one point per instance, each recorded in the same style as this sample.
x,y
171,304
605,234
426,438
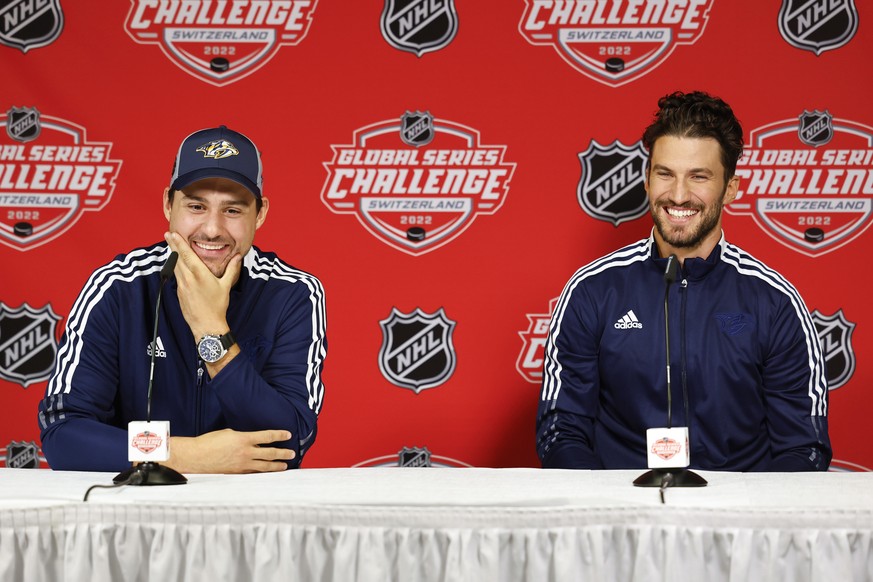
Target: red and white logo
x,y
50,173
146,442
666,448
530,360
808,181
417,182
614,42
219,42
840,466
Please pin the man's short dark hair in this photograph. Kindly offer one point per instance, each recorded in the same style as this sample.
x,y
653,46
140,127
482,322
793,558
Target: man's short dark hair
x,y
698,115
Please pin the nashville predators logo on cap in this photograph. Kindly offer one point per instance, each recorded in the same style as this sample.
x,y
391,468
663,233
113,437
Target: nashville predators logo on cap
x,y
218,149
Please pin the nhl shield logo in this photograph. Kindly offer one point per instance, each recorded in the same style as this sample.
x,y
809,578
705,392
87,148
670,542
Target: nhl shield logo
x,y
835,335
417,350
22,455
29,24
416,129
419,26
816,128
27,343
414,457
612,186
22,124
818,26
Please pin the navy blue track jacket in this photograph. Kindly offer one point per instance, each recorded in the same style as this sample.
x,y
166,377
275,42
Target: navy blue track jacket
x,y
100,380
747,372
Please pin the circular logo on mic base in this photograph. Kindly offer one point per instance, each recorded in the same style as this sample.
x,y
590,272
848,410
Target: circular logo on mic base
x,y
666,448
146,442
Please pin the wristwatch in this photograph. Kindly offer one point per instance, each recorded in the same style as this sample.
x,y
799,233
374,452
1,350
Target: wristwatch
x,y
213,347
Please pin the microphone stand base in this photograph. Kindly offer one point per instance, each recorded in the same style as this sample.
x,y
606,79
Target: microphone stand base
x,y
681,478
152,474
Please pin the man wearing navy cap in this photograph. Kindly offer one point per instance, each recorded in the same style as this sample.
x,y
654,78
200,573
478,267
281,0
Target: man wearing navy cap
x,y
240,338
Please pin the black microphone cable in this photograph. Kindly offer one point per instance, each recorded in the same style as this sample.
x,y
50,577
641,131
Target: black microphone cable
x,y
666,481
135,478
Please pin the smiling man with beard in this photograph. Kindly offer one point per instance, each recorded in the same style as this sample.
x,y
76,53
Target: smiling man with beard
x,y
746,366
240,336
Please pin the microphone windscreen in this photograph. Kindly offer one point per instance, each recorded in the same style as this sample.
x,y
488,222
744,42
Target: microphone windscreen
x,y
671,273
167,269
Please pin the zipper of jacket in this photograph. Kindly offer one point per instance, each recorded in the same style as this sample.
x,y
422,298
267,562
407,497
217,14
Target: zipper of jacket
x,y
198,400
684,294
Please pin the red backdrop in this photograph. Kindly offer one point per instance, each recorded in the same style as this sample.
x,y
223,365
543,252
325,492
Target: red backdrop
x,y
512,135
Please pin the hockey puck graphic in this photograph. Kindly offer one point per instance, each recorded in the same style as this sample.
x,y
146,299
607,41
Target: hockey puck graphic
x,y
22,229
614,65
219,64
416,233
814,234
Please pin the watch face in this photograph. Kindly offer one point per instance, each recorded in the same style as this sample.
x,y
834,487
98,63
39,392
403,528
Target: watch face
x,y
210,349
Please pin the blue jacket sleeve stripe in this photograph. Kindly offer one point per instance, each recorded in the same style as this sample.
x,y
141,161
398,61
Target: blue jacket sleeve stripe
x,y
126,268
638,251
265,268
748,265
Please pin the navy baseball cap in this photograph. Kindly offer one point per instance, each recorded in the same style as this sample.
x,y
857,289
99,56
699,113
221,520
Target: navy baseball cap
x,y
218,153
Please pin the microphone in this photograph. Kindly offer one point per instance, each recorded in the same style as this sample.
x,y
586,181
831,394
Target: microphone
x,y
668,447
166,273
150,472
671,273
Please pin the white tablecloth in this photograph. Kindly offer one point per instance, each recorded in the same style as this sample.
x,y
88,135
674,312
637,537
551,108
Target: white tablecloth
x,y
479,525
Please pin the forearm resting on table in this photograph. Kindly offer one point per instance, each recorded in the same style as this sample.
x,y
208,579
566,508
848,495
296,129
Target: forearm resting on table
x,y
230,451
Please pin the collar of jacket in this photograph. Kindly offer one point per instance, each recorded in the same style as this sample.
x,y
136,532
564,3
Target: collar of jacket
x,y
693,268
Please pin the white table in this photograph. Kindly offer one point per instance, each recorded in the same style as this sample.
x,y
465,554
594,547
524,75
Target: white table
x,y
437,524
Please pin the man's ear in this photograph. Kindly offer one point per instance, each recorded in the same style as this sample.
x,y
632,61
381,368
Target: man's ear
x,y
730,193
262,214
167,204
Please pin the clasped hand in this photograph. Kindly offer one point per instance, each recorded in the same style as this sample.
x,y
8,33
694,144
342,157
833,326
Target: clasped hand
x,y
230,451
